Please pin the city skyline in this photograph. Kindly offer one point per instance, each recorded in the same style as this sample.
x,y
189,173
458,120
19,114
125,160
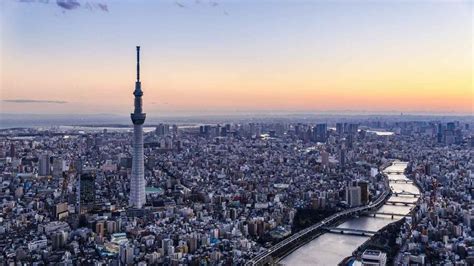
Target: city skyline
x,y
278,132
233,57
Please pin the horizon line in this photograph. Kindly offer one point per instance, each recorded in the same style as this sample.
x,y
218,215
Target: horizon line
x,y
261,113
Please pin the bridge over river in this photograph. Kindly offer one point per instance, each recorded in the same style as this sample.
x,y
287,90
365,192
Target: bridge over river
x,y
404,181
350,231
300,238
322,244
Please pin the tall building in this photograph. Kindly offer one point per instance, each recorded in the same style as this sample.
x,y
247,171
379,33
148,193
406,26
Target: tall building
x,y
59,239
166,244
364,191
451,126
12,150
86,192
320,132
57,167
350,141
339,129
353,196
126,254
342,158
137,180
353,128
44,167
440,133
78,165
162,130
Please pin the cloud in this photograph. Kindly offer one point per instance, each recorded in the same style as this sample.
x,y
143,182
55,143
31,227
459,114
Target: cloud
x,y
179,4
72,4
68,4
34,1
103,7
34,101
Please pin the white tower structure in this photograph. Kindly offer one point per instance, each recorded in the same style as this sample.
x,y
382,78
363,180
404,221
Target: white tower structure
x,y
137,180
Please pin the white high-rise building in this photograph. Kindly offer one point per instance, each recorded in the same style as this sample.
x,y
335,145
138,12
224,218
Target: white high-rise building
x,y
137,181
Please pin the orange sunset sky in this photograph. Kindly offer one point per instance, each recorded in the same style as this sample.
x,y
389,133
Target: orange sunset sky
x,y
294,56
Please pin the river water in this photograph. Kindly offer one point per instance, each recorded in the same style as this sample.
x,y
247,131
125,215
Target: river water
x,y
330,248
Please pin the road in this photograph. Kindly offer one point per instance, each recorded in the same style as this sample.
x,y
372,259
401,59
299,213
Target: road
x,y
261,257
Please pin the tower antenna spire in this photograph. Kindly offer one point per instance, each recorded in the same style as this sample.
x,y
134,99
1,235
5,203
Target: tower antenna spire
x,y
138,63
137,179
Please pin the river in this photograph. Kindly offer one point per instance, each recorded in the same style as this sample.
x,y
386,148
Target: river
x,y
330,248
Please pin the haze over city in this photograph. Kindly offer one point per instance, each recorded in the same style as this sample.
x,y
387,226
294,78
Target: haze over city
x,y
211,57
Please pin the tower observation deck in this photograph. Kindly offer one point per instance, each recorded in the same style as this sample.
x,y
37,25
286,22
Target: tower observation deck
x,y
137,180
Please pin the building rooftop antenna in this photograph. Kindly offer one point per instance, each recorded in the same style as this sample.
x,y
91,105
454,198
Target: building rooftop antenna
x,y
138,63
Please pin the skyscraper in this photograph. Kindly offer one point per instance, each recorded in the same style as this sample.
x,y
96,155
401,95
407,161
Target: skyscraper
x,y
137,180
57,167
44,166
342,158
353,129
353,196
12,150
86,192
162,130
364,191
126,254
320,133
339,129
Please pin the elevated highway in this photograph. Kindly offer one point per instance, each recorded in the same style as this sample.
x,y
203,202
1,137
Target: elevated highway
x,y
305,235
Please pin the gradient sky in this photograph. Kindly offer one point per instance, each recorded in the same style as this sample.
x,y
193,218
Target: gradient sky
x,y
225,56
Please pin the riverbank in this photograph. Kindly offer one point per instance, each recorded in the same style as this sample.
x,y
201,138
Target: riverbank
x,y
330,248
403,246
386,238
336,220
305,236
304,218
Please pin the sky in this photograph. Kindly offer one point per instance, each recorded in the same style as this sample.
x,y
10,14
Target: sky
x,y
200,56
